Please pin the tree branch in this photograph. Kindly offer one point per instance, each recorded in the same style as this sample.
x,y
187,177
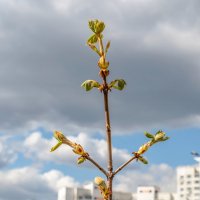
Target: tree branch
x,y
97,165
124,165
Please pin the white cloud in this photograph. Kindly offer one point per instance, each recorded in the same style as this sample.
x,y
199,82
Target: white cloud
x,y
29,183
37,147
7,154
161,175
56,179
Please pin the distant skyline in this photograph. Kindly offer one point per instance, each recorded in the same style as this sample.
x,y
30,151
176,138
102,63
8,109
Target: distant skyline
x,y
155,47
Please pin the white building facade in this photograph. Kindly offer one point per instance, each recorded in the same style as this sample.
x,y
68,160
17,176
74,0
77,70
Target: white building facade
x,y
188,183
188,188
91,192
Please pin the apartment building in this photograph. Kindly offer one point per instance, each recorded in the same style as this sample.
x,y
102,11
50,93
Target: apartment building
x,y
188,188
91,192
188,182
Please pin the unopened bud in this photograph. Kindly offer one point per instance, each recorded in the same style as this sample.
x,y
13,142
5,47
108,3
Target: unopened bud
x,y
143,148
80,160
59,136
143,160
99,27
102,63
159,135
78,149
99,181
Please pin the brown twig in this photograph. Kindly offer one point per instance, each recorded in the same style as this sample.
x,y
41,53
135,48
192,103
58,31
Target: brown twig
x,y
124,165
109,141
97,165
107,125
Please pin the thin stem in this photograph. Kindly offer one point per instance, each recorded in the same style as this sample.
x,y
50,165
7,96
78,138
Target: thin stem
x,y
108,133
97,165
101,46
124,165
107,125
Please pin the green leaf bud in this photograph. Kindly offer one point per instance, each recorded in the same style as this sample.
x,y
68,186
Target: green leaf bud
x,y
118,84
102,63
59,136
99,27
91,25
92,39
96,26
56,146
165,138
159,135
143,160
94,48
107,46
149,135
89,84
99,181
143,148
81,160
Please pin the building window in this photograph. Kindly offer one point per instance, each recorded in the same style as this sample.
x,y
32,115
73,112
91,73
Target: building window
x,y
182,182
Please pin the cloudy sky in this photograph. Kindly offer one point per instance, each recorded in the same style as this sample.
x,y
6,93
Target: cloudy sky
x,y
155,47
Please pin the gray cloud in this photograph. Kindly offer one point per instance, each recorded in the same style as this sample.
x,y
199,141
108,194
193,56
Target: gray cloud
x,y
43,60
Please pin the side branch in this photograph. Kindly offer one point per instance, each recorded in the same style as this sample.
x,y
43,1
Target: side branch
x,y
124,165
97,165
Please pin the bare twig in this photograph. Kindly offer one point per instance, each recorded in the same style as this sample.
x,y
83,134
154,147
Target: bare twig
x,y
107,125
124,165
97,165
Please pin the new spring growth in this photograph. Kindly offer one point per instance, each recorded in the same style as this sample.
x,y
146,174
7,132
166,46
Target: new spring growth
x,y
102,187
76,148
97,28
158,137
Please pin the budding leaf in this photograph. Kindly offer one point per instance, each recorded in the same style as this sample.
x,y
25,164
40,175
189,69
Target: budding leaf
x,y
99,27
165,138
89,84
143,160
93,39
59,136
107,46
118,84
80,160
56,146
159,132
91,25
93,47
96,26
149,135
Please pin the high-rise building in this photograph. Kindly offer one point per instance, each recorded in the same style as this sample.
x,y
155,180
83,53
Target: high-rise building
x,y
188,182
